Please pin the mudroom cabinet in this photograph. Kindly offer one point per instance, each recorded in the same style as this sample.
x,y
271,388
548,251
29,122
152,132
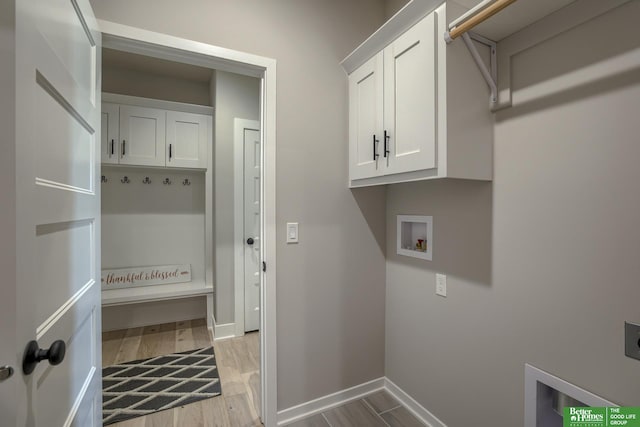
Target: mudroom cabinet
x,y
139,135
418,108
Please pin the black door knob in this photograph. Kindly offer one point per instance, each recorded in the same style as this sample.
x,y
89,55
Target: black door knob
x,y
250,241
33,355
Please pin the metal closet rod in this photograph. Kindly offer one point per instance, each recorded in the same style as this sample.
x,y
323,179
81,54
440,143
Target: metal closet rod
x,y
475,16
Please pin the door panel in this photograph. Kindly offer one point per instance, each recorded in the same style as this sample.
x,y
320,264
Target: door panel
x,y
63,139
68,37
142,136
252,229
57,209
365,119
62,273
188,136
410,98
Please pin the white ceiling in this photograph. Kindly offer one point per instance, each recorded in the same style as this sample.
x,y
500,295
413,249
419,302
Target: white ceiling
x,y
147,64
515,17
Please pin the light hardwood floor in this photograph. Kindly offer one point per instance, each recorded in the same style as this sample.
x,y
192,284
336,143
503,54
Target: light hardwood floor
x,y
237,361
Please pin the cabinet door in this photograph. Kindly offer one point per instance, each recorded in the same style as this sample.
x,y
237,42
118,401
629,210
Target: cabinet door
x,y
188,136
410,98
365,120
142,136
109,135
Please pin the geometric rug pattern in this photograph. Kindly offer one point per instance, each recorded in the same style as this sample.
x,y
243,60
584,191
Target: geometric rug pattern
x,y
134,389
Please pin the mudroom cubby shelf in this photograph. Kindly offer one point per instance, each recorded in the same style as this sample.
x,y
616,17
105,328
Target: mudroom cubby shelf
x,y
155,293
153,216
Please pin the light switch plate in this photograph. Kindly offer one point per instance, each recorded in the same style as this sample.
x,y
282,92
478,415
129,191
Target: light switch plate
x,y
292,232
632,340
441,285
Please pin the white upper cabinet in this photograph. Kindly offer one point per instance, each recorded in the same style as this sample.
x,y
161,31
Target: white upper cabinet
x,y
410,99
149,132
418,108
142,136
187,139
365,125
110,136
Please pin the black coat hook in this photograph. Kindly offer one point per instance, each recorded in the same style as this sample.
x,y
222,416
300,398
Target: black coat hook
x,y
125,180
146,180
186,182
166,181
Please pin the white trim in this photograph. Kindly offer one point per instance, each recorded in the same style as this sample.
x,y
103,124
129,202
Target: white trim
x,y
330,401
239,126
136,40
138,101
533,375
223,331
321,404
406,18
412,405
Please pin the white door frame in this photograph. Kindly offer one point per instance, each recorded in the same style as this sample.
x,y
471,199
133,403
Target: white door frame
x,y
135,40
239,125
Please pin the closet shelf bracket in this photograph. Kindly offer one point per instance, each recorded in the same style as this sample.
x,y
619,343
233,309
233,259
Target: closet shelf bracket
x,y
490,74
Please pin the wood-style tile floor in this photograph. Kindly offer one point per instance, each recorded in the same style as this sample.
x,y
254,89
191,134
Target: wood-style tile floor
x,y
377,409
238,366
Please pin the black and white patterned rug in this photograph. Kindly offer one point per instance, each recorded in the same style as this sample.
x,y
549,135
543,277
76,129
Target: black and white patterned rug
x,y
134,389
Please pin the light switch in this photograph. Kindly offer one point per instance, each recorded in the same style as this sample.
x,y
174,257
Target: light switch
x,y
292,232
441,285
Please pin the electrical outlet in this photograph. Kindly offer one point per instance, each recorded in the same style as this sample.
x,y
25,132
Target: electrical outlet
x,y
632,340
441,285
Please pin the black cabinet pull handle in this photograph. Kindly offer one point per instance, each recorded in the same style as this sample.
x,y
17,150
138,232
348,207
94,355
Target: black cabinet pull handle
x,y
250,241
170,151
33,355
112,149
375,154
386,143
123,150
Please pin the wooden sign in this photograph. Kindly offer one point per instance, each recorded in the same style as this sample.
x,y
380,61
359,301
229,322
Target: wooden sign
x,y
145,276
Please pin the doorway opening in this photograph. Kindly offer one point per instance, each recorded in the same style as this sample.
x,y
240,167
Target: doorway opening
x,y
196,202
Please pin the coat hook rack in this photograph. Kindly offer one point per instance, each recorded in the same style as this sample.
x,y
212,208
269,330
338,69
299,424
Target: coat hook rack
x,y
186,182
166,181
146,180
104,179
125,180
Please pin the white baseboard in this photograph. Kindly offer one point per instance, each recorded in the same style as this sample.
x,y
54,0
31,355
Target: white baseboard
x,y
321,404
412,405
223,331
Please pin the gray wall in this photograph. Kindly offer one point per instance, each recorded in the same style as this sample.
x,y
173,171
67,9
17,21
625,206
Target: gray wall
x,y
392,6
136,83
542,263
331,285
235,96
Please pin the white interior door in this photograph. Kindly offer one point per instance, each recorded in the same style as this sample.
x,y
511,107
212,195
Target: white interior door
x,y
251,142
57,232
